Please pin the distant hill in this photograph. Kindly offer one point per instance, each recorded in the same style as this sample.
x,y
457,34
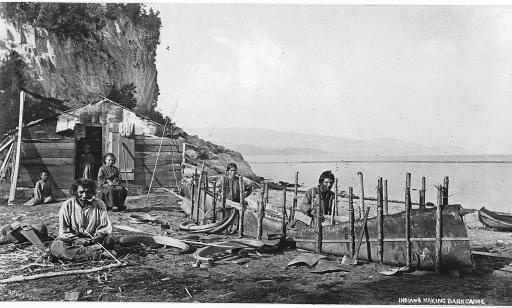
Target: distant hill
x,y
259,141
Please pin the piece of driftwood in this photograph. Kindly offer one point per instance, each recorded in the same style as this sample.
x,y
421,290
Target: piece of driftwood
x,y
62,273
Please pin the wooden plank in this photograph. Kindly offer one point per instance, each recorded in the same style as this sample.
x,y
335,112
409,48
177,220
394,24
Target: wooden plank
x,y
63,181
160,175
53,169
156,141
147,169
32,153
127,151
175,156
490,254
49,146
154,148
63,161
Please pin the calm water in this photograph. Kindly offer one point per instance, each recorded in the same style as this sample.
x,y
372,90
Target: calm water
x,y
475,181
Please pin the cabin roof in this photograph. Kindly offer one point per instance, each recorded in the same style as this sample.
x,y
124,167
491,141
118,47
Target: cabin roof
x,y
79,107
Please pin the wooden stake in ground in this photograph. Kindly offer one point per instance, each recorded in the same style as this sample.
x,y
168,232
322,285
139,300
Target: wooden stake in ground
x,y
199,186
261,213
355,255
439,231
205,193
386,209
380,222
214,202
336,199
14,183
295,193
422,193
361,198
445,190
319,218
351,219
223,196
334,203
266,194
408,219
242,207
283,214
192,196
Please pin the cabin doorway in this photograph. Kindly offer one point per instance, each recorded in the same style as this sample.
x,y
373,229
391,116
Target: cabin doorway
x,y
88,151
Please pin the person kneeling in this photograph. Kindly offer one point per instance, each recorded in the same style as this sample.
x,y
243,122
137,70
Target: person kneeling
x,y
83,225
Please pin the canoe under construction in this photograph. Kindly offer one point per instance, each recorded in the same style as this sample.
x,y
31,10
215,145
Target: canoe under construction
x,y
498,221
455,252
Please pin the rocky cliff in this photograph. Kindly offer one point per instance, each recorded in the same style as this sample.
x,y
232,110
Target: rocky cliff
x,y
79,70
73,53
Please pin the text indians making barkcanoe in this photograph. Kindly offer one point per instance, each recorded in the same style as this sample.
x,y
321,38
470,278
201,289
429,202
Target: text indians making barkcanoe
x,y
428,241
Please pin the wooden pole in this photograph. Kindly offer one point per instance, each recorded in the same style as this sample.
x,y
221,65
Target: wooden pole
x,y
261,212
6,145
124,164
183,154
199,186
336,198
192,196
214,203
445,190
386,209
319,218
157,155
205,192
266,194
380,222
408,219
422,193
351,219
242,207
361,202
439,231
6,159
355,255
295,193
223,196
14,183
283,215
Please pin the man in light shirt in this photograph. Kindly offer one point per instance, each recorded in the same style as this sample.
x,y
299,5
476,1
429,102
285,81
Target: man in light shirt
x,y
83,223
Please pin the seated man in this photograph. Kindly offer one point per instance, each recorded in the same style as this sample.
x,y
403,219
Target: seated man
x,y
323,194
42,191
83,222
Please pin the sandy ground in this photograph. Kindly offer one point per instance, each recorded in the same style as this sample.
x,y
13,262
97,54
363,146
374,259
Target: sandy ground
x,y
164,275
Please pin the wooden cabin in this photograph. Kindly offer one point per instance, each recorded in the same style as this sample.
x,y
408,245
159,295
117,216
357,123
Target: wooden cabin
x,y
56,143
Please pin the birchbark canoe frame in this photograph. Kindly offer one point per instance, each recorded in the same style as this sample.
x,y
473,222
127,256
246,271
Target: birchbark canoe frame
x,y
421,238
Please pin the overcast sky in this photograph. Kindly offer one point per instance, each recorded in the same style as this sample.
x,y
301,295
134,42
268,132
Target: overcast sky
x,y
427,74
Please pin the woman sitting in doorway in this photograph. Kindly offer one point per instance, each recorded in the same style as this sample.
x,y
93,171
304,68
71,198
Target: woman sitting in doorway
x,y
109,181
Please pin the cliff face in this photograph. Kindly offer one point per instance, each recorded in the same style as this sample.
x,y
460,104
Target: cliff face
x,y
79,71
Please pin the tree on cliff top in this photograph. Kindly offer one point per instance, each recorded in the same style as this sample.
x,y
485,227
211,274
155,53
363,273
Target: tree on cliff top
x,y
13,77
